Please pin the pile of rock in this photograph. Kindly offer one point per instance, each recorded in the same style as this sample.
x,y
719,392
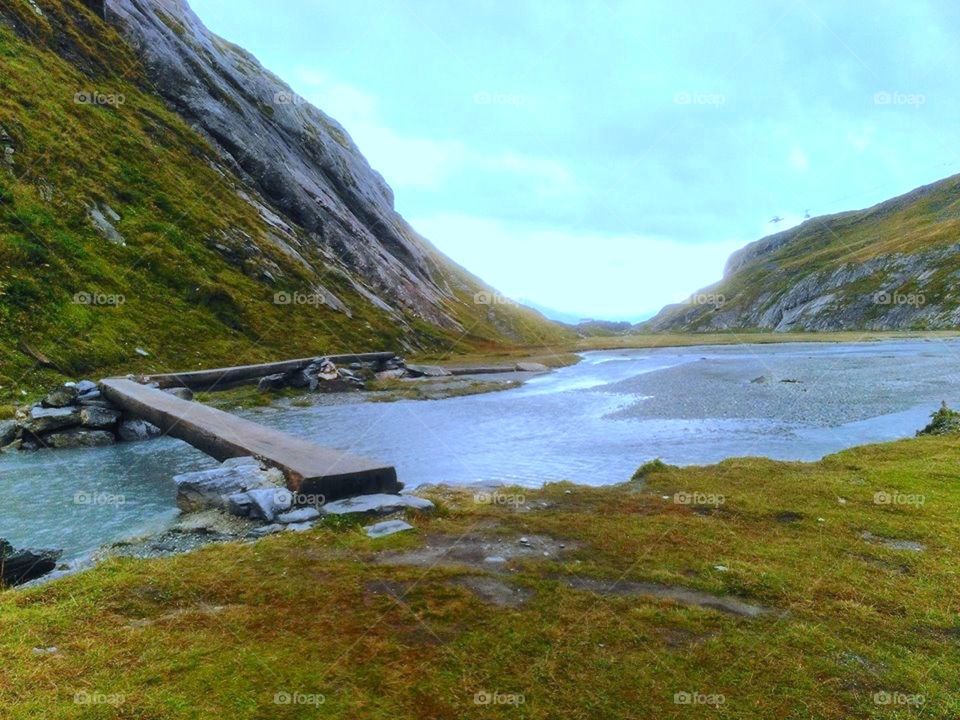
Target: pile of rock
x,y
20,566
245,488
323,375
72,415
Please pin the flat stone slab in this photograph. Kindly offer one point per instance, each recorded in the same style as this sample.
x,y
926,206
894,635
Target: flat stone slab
x,y
387,527
309,468
378,504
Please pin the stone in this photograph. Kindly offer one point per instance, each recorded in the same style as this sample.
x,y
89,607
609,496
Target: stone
x,y
391,374
20,566
137,430
298,515
378,504
8,432
427,371
95,399
99,418
265,530
241,461
78,438
300,527
184,393
61,397
86,386
261,504
42,420
15,446
104,226
213,488
388,527
141,352
277,381
531,367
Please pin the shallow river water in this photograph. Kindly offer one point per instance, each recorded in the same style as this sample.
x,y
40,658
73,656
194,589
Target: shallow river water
x,y
592,423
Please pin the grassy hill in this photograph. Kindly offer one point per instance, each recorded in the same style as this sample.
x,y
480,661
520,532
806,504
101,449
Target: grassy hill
x,y
194,281
893,266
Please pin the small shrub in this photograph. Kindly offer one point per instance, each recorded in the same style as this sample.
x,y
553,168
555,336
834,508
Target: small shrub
x,y
943,422
653,466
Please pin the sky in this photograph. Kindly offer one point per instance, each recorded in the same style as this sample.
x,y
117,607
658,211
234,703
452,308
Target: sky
x,y
604,158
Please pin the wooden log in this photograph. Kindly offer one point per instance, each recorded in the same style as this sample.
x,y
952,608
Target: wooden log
x,y
222,378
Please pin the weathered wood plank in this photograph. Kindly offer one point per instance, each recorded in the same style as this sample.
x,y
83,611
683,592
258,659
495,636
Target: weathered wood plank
x,y
222,378
309,467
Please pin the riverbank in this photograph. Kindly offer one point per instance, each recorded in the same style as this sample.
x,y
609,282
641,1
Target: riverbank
x,y
771,589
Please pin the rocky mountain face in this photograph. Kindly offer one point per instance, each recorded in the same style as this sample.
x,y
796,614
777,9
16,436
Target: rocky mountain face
x,y
168,203
894,266
311,183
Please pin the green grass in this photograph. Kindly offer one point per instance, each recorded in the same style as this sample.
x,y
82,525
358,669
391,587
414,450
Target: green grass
x,y
219,632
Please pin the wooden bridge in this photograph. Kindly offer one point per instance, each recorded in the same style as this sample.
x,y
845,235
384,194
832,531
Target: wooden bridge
x,y
309,468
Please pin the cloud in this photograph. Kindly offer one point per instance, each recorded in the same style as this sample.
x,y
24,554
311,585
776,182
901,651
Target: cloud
x,y
583,273
416,162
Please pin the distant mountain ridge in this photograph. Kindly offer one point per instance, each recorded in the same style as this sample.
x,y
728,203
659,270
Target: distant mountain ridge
x,y
893,266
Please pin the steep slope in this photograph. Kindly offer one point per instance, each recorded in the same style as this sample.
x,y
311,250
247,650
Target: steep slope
x,y
893,266
157,191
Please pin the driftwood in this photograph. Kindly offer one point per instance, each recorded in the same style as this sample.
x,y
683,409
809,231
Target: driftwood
x,y
20,566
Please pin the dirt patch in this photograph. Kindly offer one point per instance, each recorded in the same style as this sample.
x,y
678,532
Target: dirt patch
x,y
788,516
495,591
391,588
676,593
477,551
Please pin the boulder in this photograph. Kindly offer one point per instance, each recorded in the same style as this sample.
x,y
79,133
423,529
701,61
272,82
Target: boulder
x,y
136,430
86,386
391,374
388,527
61,397
212,488
427,371
377,504
41,420
298,515
277,381
99,418
94,397
184,393
78,438
20,566
327,370
261,504
305,378
8,432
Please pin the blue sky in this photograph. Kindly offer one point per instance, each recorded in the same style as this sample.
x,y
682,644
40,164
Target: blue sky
x,y
604,158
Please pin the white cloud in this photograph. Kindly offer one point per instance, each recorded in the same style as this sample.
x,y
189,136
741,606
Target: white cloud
x,y
588,274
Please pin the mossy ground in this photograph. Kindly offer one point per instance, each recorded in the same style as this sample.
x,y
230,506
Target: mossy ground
x,y
224,630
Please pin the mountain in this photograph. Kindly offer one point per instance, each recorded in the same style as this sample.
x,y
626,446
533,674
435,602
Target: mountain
x,y
894,266
167,203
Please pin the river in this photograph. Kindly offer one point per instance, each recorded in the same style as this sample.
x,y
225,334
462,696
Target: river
x,y
591,423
